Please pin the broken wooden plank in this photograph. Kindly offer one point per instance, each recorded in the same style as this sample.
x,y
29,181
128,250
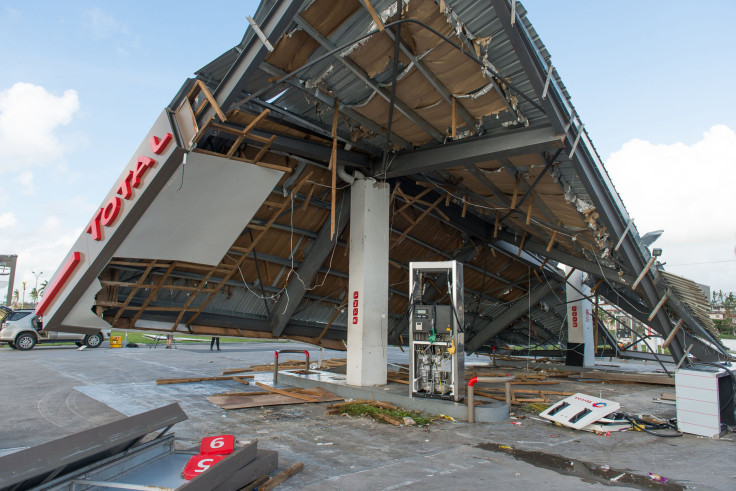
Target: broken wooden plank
x,y
388,419
283,392
374,15
672,334
166,381
255,484
230,371
246,400
626,378
281,477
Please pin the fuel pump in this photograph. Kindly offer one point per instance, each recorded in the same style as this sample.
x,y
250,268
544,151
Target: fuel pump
x,y
436,330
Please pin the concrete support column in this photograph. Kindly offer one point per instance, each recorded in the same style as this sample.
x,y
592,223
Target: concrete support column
x,y
580,342
368,283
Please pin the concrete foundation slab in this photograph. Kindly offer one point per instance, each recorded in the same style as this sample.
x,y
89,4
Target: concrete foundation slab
x,y
395,394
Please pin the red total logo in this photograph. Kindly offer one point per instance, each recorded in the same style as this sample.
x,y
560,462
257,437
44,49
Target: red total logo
x,y
106,216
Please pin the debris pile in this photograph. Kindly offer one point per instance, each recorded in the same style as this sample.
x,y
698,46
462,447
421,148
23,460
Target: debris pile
x,y
380,411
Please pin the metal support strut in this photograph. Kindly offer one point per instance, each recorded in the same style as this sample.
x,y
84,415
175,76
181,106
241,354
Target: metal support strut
x,y
471,384
276,360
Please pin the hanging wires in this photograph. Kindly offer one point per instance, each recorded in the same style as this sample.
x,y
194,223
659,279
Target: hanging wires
x,y
275,296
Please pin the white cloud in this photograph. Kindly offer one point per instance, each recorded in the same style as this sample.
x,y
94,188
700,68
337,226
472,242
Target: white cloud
x,y
25,182
29,118
12,13
39,249
686,190
7,220
42,236
101,24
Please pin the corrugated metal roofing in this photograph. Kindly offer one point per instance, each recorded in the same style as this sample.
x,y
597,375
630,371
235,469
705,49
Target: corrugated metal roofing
x,y
558,222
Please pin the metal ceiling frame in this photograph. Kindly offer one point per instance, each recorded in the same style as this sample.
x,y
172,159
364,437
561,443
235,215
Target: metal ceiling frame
x,y
587,164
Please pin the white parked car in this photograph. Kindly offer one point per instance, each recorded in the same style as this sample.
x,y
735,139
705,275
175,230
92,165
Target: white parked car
x,y
23,329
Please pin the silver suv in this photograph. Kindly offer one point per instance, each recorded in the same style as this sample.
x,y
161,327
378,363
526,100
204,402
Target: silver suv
x,y
23,329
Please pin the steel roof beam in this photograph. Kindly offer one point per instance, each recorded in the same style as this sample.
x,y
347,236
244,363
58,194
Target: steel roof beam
x,y
584,162
511,169
471,49
476,149
321,247
505,319
433,80
471,225
307,149
274,25
293,119
360,73
329,100
562,257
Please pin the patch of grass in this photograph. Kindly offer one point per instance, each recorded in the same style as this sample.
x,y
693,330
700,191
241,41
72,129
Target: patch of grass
x,y
138,337
358,409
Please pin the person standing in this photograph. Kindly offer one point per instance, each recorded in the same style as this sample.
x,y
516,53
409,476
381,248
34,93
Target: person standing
x,y
215,340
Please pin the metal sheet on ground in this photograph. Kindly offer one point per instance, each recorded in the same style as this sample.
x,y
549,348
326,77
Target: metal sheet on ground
x,y
260,399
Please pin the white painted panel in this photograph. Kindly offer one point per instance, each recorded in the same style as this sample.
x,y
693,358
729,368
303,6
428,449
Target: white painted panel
x,y
698,428
81,314
696,406
200,221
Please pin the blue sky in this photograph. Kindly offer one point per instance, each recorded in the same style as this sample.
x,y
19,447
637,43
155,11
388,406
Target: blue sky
x,y
82,82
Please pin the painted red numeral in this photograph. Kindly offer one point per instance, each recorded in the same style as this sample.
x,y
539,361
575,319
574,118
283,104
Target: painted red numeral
x,y
355,294
355,320
217,445
198,464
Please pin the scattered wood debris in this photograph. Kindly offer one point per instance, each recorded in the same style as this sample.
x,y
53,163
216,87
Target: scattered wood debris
x,y
166,381
286,365
639,378
281,477
272,397
289,394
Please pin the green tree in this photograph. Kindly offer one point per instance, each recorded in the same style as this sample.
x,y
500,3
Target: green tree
x,y
34,295
44,284
729,304
16,296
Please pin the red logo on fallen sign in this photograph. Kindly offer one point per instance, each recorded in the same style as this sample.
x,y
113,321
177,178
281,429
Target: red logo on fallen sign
x,y
106,216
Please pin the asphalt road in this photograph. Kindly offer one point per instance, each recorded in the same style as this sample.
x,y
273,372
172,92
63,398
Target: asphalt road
x,y
51,392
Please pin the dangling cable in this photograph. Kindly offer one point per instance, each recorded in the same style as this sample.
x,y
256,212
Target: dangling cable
x,y
394,74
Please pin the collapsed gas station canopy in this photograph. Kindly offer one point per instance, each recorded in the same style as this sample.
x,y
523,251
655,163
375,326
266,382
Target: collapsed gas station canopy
x,y
233,217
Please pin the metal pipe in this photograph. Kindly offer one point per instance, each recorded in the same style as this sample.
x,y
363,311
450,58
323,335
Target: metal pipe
x,y
276,360
471,384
